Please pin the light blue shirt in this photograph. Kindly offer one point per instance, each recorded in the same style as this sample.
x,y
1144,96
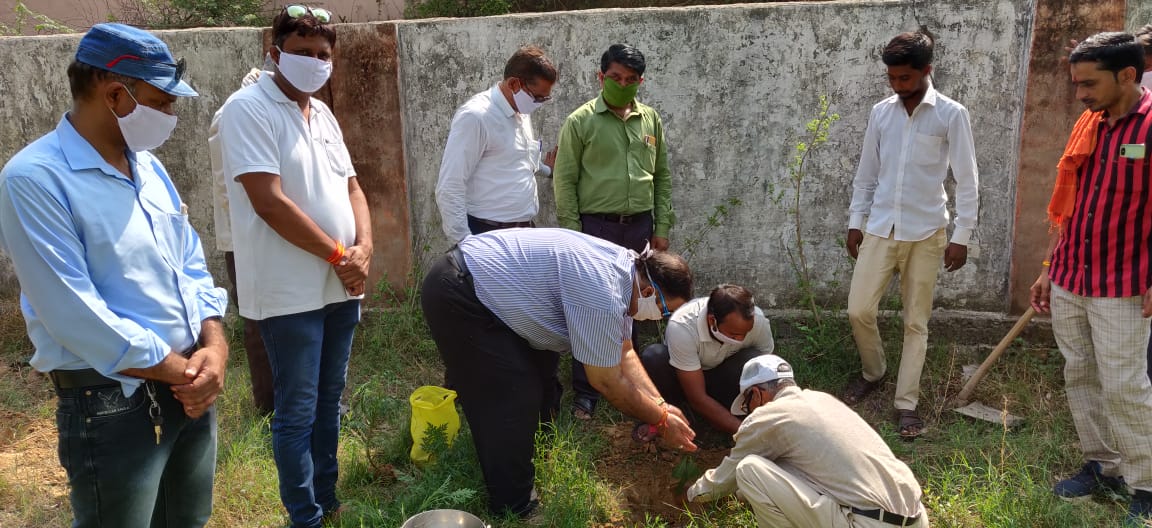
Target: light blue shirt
x,y
112,275
558,289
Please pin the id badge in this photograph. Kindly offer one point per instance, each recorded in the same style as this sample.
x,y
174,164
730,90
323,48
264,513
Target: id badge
x,y
1132,151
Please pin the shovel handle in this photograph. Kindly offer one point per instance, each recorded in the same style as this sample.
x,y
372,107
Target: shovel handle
x,y
966,392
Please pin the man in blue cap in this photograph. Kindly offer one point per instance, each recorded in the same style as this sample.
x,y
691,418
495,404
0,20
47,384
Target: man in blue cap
x,y
119,304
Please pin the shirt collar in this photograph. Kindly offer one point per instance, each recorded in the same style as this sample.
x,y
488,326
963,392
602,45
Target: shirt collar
x,y
930,96
600,106
501,102
1143,106
266,83
80,154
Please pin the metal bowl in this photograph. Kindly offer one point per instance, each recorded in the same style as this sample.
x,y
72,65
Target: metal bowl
x,y
444,519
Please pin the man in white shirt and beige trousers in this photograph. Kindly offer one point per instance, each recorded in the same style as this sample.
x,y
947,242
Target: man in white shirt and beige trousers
x,y
900,203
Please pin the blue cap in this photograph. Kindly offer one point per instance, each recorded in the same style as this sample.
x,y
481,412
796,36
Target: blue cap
x,y
135,53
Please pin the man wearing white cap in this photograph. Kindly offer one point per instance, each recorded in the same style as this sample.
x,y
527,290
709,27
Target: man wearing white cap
x,y
803,458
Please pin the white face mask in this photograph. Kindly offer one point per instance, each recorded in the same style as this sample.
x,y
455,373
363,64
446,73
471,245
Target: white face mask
x,y
647,309
145,128
723,338
306,74
525,104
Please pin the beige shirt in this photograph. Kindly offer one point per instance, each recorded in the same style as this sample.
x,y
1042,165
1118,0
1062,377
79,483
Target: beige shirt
x,y
819,439
690,343
220,214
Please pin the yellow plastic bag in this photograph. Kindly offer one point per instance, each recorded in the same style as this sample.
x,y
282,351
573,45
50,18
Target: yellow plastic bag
x,y
432,406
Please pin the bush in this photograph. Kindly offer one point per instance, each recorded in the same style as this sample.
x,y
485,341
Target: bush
x,y
456,8
175,14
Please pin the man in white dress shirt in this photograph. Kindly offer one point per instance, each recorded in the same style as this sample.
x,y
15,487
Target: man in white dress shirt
x,y
488,173
899,216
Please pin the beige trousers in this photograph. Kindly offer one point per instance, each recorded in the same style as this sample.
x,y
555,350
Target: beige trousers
x,y
1104,342
781,499
918,264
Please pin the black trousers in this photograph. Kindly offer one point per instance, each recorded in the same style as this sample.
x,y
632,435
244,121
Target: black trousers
x,y
505,386
634,235
721,383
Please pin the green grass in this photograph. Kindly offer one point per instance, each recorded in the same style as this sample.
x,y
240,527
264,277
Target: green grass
x,y
974,474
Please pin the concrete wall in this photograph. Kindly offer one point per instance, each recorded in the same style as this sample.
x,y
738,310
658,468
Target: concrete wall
x,y
1050,110
37,97
735,86
1139,13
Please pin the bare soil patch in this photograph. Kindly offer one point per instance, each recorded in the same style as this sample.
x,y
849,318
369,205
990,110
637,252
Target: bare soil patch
x,y
644,476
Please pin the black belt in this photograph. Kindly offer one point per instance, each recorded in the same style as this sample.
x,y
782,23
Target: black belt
x,y
75,379
456,257
502,225
887,516
620,218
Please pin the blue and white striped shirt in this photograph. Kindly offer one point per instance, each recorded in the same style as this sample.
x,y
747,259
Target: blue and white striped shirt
x,y
558,289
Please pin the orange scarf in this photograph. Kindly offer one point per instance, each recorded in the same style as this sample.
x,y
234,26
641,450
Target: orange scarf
x,y
1080,146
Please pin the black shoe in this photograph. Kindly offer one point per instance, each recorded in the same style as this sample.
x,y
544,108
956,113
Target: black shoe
x,y
1139,510
1088,482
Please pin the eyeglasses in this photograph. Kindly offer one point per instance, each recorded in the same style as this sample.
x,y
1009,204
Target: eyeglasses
x,y
180,65
535,98
297,11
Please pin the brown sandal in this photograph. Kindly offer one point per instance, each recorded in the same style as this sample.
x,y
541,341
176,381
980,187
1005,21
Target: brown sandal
x,y
909,423
858,389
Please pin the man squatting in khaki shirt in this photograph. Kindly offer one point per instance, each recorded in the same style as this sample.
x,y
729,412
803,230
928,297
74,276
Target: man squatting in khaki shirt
x,y
803,458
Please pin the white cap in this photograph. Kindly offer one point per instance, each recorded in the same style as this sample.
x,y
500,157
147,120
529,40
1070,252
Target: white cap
x,y
760,369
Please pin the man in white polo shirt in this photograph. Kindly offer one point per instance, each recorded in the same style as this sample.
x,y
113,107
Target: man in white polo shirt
x,y
488,173
303,241
707,343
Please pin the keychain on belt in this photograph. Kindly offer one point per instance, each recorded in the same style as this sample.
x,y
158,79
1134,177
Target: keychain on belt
x,y
154,410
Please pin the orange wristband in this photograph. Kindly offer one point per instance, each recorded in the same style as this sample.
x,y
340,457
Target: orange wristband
x,y
337,254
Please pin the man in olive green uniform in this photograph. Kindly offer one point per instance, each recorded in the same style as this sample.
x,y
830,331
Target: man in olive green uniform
x,y
611,175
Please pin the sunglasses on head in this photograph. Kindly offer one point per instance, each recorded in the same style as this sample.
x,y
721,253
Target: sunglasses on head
x,y
297,11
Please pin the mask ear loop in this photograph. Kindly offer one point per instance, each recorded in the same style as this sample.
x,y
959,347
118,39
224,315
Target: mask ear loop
x,y
647,251
663,304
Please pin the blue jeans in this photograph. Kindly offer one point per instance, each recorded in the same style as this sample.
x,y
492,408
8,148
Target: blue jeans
x,y
308,353
119,475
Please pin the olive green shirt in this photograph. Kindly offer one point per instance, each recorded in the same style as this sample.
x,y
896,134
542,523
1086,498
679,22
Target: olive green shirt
x,y
605,164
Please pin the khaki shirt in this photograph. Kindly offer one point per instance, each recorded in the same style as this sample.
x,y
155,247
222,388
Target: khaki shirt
x,y
818,438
